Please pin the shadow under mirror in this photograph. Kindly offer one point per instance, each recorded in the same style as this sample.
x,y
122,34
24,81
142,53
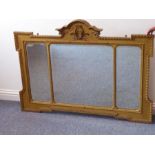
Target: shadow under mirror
x,y
128,77
82,74
38,72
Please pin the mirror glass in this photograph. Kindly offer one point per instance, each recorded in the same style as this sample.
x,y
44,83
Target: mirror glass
x,y
82,74
38,72
128,77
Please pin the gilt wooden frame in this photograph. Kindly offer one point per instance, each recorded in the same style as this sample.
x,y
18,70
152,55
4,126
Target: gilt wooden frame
x,y
81,32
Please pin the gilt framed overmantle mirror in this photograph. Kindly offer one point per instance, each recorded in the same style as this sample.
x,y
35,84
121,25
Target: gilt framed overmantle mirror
x,y
80,71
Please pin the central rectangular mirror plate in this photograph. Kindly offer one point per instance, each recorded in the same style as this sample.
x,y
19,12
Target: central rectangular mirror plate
x,y
83,72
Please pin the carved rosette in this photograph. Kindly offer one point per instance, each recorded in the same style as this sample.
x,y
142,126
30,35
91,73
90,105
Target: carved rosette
x,y
79,30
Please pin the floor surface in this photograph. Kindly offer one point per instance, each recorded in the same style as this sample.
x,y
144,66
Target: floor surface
x,y
15,122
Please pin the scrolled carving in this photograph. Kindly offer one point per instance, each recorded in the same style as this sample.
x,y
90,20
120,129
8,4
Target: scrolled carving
x,y
79,30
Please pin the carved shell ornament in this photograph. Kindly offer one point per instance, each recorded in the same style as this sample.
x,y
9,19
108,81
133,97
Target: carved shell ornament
x,y
79,30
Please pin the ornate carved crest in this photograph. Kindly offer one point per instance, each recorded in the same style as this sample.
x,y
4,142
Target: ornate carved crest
x,y
79,30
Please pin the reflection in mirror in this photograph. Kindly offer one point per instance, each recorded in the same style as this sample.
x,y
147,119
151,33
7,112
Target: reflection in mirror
x,y
38,72
82,74
128,77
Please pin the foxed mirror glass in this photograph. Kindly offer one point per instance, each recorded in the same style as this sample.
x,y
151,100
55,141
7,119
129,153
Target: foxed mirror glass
x,y
82,74
38,71
128,77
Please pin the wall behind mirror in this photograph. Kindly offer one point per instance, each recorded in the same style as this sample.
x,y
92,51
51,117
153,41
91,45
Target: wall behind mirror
x,y
10,78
